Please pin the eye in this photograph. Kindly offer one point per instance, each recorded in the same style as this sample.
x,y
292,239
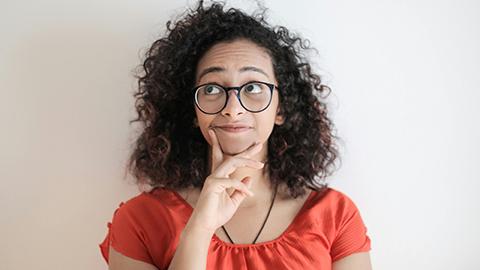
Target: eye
x,y
253,88
211,89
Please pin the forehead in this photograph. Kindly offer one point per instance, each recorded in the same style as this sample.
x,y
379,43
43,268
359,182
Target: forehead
x,y
235,55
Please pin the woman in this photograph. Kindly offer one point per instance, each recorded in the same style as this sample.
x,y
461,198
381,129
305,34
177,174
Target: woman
x,y
235,146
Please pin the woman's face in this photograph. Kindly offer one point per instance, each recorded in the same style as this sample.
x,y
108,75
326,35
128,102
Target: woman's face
x,y
234,64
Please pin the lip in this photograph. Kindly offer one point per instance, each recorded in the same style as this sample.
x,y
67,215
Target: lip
x,y
234,128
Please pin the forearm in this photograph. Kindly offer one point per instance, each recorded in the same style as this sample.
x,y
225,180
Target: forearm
x,y
192,250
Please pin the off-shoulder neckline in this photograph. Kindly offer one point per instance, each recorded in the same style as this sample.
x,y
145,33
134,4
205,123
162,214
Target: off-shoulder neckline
x,y
278,239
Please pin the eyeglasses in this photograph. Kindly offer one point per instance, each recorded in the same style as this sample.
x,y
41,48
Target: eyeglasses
x,y
254,96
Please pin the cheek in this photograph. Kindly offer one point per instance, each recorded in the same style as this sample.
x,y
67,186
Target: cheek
x,y
266,121
204,122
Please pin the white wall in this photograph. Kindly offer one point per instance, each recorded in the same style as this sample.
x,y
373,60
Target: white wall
x,y
405,78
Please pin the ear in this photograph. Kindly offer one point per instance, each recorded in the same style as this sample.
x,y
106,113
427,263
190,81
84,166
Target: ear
x,y
279,119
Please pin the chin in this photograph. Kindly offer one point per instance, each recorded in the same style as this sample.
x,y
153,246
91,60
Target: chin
x,y
233,148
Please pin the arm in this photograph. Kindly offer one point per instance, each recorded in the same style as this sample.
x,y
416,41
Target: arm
x,y
192,250
191,253
356,261
215,205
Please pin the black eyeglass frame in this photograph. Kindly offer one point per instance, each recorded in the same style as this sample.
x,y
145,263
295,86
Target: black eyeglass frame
x,y
237,94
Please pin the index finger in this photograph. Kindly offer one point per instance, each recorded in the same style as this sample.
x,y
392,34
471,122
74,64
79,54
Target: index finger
x,y
239,160
217,154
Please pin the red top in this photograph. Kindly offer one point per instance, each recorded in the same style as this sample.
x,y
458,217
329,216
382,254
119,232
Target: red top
x,y
148,226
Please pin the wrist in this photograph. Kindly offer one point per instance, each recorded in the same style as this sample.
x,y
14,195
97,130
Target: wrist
x,y
198,232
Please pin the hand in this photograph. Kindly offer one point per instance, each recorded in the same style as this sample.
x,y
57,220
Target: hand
x,y
215,205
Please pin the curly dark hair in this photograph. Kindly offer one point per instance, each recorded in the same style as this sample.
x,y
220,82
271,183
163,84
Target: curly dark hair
x,y
171,152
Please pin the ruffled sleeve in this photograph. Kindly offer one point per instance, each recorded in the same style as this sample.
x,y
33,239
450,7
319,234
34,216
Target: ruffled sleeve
x,y
126,236
351,233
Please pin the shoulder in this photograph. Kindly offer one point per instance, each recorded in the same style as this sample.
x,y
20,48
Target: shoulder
x,y
332,209
157,207
332,199
135,204
343,225
145,204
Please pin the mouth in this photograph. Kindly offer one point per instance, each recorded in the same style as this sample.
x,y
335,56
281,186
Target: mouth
x,y
233,129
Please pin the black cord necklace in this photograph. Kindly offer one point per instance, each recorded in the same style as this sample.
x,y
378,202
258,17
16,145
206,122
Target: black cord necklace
x,y
265,221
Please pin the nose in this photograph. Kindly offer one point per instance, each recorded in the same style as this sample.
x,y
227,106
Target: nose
x,y
233,107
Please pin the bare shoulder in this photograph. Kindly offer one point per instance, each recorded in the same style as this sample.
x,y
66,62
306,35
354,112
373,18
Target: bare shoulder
x,y
118,261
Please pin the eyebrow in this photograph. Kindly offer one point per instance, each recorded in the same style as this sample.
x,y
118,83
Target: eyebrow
x,y
220,69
